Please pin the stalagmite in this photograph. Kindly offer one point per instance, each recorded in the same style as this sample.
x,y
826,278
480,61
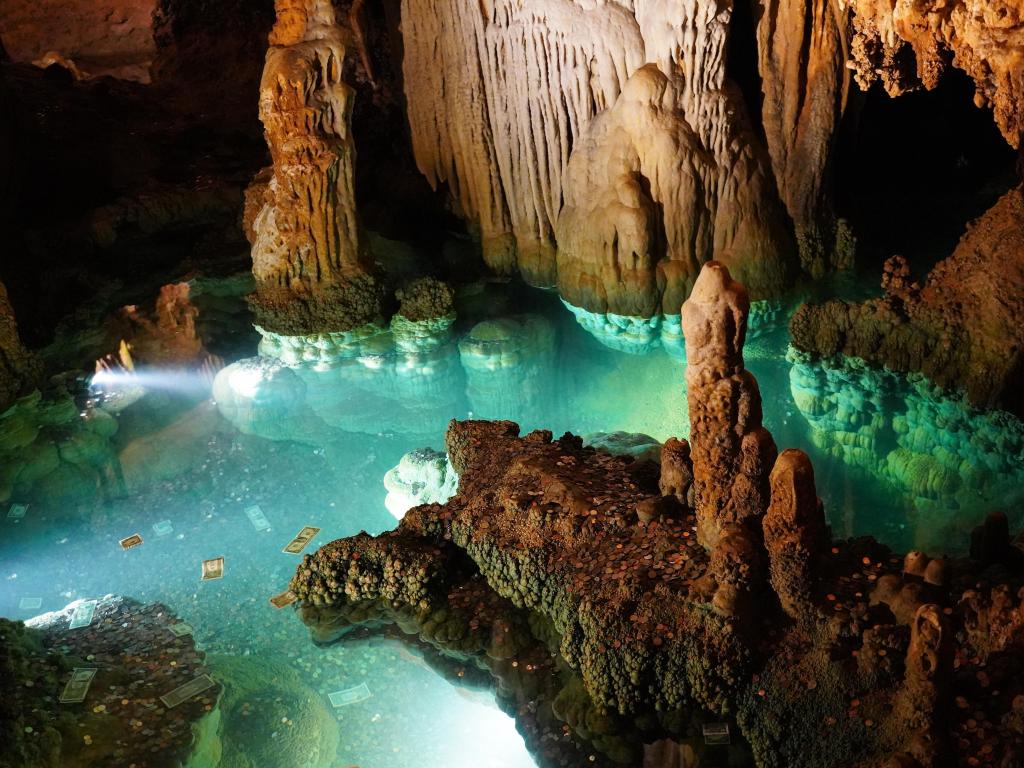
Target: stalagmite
x,y
731,452
794,533
310,272
18,367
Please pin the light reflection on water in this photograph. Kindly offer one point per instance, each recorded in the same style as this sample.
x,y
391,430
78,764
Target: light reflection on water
x,y
321,443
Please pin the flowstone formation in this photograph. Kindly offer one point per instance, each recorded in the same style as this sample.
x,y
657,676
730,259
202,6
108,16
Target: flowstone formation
x,y
310,267
961,328
706,590
608,149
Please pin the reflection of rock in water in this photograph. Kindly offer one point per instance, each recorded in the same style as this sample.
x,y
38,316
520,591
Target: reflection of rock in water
x,y
270,717
639,335
370,380
51,453
423,476
949,462
507,363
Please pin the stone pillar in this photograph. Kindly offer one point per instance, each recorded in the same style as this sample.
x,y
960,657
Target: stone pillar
x,y
794,533
306,245
731,452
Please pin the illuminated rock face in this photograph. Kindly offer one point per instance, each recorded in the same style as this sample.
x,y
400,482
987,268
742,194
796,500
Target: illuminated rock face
x,y
306,252
731,452
99,37
905,45
604,148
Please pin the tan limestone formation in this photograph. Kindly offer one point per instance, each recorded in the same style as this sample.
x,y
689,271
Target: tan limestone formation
x,y
306,243
801,49
94,38
732,453
504,100
662,182
909,43
794,533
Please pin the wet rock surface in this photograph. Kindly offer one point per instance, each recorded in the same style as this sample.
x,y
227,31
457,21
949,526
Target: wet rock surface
x,y
122,720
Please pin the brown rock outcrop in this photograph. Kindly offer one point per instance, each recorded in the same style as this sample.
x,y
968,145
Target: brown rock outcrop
x,y
101,37
306,252
961,328
677,471
908,44
794,533
731,452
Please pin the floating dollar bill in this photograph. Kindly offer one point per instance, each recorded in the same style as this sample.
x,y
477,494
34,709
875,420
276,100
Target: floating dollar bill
x,y
187,691
163,528
30,603
296,545
132,541
180,629
82,617
257,518
17,511
285,598
716,733
78,685
213,569
349,696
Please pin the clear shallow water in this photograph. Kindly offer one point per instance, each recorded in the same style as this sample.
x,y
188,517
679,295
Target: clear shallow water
x,y
314,446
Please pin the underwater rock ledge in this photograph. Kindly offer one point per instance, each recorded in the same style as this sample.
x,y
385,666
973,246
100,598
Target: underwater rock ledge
x,y
710,585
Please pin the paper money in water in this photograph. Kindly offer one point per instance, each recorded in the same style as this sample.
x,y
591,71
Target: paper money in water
x,y
82,617
17,511
187,691
285,598
163,528
349,696
179,629
716,733
78,685
296,545
213,569
257,518
132,541
30,603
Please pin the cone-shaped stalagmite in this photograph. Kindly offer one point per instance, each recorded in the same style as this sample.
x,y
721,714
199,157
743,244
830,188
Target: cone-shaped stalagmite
x,y
794,533
731,452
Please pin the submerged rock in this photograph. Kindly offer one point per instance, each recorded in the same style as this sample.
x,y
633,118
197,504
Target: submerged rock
x,y
423,476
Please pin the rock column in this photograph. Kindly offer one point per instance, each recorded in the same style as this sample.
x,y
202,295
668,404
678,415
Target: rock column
x,y
794,533
731,452
306,246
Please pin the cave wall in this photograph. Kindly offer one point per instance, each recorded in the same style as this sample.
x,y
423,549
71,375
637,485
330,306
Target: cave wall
x,y
606,148
102,37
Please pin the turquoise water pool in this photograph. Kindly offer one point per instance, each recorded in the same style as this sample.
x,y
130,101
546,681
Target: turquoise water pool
x,y
310,435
